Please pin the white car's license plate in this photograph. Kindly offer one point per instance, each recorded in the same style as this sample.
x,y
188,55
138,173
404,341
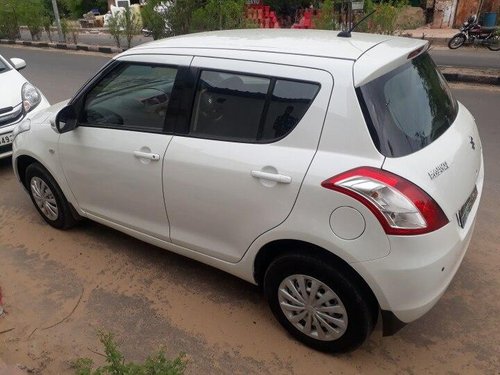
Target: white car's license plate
x,y
6,139
464,212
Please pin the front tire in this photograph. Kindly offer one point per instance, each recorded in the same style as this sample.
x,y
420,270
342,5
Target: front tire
x,y
457,41
494,43
320,304
48,198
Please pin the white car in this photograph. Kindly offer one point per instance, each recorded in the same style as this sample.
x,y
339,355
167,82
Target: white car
x,y
18,98
339,174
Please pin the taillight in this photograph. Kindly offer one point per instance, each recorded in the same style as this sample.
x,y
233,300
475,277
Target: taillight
x,y
401,207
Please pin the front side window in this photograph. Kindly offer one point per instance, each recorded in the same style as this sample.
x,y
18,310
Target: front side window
x,y
131,97
244,108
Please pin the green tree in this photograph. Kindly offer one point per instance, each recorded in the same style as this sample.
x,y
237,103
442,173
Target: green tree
x,y
10,19
31,13
129,22
153,19
75,9
219,15
115,29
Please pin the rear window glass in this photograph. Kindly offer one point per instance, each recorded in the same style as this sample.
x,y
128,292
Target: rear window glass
x,y
408,108
248,108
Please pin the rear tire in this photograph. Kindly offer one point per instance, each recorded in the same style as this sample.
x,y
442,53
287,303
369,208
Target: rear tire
x,y
320,304
457,41
495,43
48,198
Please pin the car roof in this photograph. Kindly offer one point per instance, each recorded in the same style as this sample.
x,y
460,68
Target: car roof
x,y
322,43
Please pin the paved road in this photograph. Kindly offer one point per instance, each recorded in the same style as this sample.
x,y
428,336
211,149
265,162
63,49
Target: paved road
x,y
463,57
60,287
467,57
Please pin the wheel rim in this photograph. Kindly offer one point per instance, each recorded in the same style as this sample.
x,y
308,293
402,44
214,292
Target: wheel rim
x,y
312,307
495,43
44,198
457,41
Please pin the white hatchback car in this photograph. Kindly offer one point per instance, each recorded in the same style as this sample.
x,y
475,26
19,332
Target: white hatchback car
x,y
339,174
18,98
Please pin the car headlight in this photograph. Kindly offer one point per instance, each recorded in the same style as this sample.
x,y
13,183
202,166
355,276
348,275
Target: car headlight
x,y
31,97
22,127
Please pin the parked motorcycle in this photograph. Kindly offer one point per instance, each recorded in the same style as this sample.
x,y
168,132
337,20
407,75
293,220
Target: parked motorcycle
x,y
146,32
472,32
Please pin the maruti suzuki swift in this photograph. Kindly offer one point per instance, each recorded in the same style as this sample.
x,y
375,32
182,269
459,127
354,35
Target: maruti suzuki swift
x,y
339,174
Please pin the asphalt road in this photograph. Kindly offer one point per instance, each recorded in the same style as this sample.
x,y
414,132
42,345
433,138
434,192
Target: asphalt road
x,y
470,57
463,57
59,287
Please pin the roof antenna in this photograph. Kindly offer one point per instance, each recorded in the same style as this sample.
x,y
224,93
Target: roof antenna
x,y
347,33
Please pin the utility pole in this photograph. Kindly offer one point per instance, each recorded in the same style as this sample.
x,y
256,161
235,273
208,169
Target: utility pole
x,y
58,21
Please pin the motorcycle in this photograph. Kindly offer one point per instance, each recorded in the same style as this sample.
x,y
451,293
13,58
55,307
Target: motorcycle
x,y
146,32
472,32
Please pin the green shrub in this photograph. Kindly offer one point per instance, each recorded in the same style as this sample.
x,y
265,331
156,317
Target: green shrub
x,y
31,15
157,364
153,20
130,23
9,19
115,28
217,15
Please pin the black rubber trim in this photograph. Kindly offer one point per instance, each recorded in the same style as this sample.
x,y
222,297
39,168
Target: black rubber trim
x,y
390,323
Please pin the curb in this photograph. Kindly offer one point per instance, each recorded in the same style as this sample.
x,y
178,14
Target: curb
x,y
64,46
471,78
452,74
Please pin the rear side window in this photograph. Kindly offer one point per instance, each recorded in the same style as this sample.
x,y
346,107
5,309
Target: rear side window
x,y
408,108
247,108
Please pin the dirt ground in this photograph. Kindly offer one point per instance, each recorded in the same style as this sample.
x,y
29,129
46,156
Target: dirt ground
x,y
60,287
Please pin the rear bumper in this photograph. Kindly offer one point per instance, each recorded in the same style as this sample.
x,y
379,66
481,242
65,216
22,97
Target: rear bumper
x,y
412,278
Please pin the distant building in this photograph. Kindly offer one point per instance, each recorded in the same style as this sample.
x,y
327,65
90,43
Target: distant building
x,y
452,13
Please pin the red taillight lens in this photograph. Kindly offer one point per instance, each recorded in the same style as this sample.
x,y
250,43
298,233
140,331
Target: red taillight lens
x,y
401,207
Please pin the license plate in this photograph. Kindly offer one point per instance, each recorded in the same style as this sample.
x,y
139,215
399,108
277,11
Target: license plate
x,y
6,139
464,212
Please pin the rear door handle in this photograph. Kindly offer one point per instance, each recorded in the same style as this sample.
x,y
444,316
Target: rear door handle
x,y
146,155
282,179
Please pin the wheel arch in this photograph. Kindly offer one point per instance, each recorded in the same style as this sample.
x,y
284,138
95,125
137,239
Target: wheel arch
x,y
277,248
21,164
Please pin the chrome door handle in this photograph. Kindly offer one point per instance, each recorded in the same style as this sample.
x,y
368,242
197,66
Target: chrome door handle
x,y
282,179
146,155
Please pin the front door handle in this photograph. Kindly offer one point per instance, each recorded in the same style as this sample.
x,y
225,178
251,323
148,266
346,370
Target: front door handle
x,y
282,179
146,155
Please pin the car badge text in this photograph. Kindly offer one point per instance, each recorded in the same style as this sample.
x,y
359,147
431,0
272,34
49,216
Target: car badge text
x,y
436,172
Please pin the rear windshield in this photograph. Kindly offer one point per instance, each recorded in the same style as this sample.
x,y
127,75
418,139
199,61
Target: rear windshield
x,y
408,108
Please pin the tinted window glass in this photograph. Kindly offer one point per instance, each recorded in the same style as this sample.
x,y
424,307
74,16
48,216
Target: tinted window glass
x,y
248,108
229,106
3,66
132,96
408,108
289,103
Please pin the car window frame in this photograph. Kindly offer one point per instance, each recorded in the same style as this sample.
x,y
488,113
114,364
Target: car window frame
x,y
6,64
185,129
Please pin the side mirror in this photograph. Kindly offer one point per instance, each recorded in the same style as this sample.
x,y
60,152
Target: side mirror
x,y
66,119
18,64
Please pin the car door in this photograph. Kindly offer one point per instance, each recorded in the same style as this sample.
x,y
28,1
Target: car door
x,y
113,159
236,169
